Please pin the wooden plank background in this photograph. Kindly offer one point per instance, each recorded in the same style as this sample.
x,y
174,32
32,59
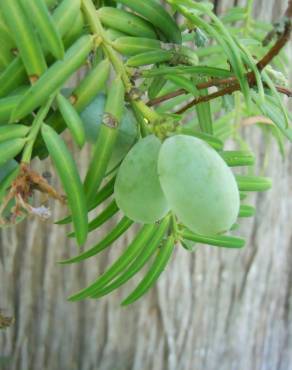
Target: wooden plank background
x,y
211,310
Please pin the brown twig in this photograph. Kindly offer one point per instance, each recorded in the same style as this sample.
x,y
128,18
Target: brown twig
x,y
226,91
166,97
206,98
272,53
275,50
232,82
284,90
22,189
174,94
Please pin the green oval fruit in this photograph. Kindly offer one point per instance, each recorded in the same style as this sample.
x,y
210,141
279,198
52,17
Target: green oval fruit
x,y
92,118
198,185
126,138
137,189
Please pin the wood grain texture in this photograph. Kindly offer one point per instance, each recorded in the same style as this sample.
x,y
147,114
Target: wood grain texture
x,y
211,310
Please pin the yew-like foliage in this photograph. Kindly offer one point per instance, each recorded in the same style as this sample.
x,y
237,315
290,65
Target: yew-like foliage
x,y
166,87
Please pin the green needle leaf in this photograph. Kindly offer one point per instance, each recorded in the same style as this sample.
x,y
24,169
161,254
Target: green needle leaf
x,y
103,217
9,132
101,196
115,233
238,158
246,211
253,183
153,273
121,263
274,112
40,16
210,139
139,262
204,114
106,140
9,149
201,70
70,179
216,240
72,120
243,195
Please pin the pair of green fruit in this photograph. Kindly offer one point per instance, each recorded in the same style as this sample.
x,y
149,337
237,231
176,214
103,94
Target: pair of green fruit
x,y
183,174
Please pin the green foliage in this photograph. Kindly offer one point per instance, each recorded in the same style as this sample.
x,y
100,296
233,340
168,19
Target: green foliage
x,y
156,106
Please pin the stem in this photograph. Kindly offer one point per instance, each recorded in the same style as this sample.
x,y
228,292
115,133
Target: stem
x,y
90,14
144,130
97,28
148,113
206,98
35,128
281,89
163,98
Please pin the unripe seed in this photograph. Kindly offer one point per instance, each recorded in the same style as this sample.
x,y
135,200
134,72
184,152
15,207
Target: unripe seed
x,y
137,189
198,185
